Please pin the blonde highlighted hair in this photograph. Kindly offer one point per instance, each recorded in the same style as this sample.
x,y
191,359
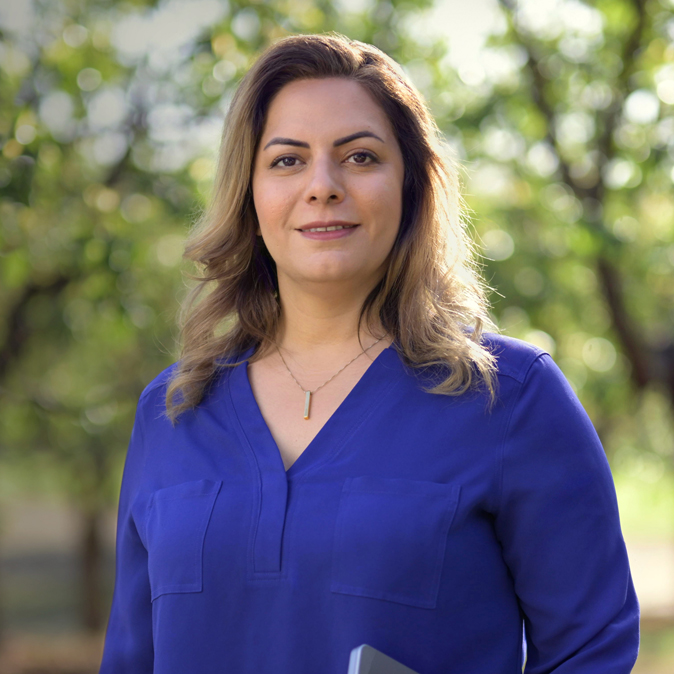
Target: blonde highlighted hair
x,y
430,300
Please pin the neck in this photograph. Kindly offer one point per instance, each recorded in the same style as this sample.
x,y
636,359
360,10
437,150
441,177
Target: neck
x,y
322,319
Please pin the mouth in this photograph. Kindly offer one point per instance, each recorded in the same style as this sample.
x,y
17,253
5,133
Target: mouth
x,y
331,228
325,231
327,226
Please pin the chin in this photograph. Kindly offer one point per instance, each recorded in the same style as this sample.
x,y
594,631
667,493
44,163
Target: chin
x,y
329,270
333,274
331,277
350,271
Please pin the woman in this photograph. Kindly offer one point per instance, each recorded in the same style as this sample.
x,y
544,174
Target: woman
x,y
341,456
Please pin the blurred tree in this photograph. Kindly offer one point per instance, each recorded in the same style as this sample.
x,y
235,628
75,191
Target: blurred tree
x,y
600,112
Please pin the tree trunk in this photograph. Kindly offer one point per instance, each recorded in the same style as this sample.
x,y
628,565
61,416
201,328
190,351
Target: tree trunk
x,y
91,576
2,615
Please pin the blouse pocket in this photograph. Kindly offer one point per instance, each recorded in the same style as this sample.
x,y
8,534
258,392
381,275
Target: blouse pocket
x,y
390,539
176,526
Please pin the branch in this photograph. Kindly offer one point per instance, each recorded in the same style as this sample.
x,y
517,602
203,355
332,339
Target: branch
x,y
17,328
631,47
610,118
632,345
538,85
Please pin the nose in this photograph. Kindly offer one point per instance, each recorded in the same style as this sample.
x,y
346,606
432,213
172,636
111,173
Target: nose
x,y
324,184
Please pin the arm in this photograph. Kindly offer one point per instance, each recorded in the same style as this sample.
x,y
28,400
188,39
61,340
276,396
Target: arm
x,y
559,528
128,641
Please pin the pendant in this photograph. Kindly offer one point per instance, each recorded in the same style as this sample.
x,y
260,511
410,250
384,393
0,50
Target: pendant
x,y
307,401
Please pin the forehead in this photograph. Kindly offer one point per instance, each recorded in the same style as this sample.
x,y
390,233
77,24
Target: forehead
x,y
324,107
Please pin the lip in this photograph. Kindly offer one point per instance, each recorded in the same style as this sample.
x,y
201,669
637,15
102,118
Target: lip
x,y
325,236
325,223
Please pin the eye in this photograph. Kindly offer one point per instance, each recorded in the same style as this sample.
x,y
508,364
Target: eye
x,y
361,158
283,161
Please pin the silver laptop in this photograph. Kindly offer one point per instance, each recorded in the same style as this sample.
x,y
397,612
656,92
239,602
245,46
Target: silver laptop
x,y
368,660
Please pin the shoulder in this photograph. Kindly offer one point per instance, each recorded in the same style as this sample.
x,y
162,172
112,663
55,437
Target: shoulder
x,y
153,398
160,382
539,382
514,357
152,402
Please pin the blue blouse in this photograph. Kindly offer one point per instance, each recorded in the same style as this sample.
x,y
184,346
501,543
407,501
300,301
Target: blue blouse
x,y
425,525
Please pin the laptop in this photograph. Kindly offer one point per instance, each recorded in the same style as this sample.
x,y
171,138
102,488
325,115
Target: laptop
x,y
368,660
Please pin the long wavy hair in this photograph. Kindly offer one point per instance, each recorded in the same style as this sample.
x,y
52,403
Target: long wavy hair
x,y
431,299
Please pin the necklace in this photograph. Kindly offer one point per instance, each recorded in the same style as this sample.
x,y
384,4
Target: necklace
x,y
307,394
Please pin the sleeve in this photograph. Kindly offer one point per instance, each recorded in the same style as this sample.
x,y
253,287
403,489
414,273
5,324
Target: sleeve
x,y
558,525
128,640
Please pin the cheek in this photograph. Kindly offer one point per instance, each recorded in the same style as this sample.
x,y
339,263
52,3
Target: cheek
x,y
383,200
273,204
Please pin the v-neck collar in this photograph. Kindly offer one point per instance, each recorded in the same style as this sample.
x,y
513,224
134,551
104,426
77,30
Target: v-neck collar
x,y
359,403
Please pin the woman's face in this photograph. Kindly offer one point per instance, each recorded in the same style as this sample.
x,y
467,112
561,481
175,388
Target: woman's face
x,y
328,156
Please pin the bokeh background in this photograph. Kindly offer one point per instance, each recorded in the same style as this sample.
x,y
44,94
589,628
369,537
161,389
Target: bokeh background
x,y
561,113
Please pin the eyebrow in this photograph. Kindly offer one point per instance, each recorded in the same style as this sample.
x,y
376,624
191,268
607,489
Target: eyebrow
x,y
337,143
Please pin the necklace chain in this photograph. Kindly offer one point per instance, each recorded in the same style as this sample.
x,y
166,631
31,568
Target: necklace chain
x,y
333,376
309,393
